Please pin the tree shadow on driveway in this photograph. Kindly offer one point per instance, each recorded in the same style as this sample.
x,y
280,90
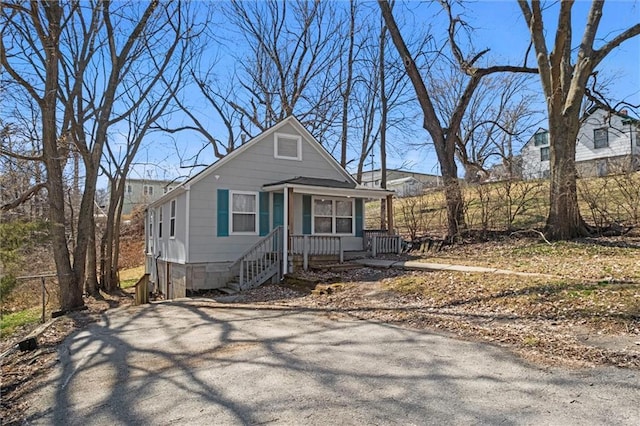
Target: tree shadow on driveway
x,y
195,362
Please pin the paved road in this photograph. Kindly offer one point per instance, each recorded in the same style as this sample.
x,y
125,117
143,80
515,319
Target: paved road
x,y
196,362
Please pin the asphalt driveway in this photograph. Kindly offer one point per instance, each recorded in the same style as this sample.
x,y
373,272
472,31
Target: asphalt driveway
x,y
198,362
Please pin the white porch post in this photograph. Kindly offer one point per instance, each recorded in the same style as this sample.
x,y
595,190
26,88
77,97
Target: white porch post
x,y
285,232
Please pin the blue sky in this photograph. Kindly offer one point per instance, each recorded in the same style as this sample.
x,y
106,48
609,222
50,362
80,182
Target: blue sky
x,y
498,25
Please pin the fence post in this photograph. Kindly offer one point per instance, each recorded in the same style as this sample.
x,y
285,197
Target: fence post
x,y
374,243
241,277
399,242
340,248
44,290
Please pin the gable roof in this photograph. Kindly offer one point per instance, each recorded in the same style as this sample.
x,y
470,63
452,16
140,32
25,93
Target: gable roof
x,y
291,120
622,114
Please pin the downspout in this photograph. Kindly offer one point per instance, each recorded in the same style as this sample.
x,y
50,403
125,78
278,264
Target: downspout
x,y
285,232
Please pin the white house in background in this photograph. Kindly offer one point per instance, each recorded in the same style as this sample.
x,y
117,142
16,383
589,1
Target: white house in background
x,y
607,143
239,222
406,187
372,178
140,192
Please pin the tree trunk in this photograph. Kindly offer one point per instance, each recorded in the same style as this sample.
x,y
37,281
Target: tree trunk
x,y
69,296
91,283
564,220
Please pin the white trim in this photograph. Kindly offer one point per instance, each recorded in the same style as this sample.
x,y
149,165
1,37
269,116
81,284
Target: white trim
x,y
291,120
334,217
297,138
256,212
173,205
160,220
285,232
359,192
186,224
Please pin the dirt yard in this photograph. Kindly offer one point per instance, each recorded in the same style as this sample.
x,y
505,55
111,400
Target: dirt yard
x,y
585,311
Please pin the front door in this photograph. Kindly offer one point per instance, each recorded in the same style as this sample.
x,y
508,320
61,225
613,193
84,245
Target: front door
x,y
278,210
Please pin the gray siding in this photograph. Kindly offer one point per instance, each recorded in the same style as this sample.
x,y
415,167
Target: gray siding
x,y
171,249
247,172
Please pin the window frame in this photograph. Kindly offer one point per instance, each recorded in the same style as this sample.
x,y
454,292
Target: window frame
x,y
276,139
160,222
542,143
256,213
606,138
547,156
147,190
172,219
334,216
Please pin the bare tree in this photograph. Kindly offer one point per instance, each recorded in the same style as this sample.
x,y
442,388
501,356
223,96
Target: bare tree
x,y
564,74
72,59
292,46
445,136
500,113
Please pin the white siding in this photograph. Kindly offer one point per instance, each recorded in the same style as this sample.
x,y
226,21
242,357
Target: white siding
x,y
532,165
620,143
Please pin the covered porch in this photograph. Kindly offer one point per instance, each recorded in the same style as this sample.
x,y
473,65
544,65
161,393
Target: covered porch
x,y
325,218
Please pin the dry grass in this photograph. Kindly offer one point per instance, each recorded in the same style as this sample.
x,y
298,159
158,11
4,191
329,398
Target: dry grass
x,y
515,205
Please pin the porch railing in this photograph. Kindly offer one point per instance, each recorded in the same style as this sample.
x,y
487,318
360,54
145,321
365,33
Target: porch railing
x,y
381,244
368,234
261,261
316,245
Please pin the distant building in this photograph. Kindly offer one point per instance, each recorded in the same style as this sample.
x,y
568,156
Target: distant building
x,y
607,143
373,178
140,192
406,187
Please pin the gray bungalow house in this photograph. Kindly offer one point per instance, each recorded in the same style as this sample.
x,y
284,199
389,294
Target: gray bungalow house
x,y
240,222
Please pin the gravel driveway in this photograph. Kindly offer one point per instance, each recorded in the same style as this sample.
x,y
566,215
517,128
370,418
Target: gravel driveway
x,y
200,362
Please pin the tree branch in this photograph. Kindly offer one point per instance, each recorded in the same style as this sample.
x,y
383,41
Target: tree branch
x,y
24,197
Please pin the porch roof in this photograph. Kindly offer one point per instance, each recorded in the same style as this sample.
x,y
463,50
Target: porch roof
x,y
327,187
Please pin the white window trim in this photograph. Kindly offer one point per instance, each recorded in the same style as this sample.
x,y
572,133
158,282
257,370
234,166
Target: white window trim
x,y
298,139
172,218
606,133
159,213
257,212
333,216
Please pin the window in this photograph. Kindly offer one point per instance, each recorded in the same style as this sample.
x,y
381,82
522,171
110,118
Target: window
x,y
332,216
129,189
147,190
544,153
600,138
160,222
172,219
541,138
287,147
150,240
244,213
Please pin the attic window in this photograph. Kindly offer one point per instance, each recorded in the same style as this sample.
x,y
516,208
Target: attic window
x,y
541,138
287,147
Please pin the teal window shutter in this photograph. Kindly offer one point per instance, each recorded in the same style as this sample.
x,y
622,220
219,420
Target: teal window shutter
x,y
278,209
359,217
223,212
264,213
306,214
